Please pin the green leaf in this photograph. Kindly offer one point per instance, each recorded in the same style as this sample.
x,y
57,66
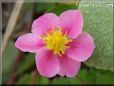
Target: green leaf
x,y
58,9
8,59
61,81
43,80
98,21
96,76
42,7
102,76
28,78
87,76
27,63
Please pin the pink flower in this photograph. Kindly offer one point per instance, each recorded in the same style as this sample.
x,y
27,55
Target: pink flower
x,y
59,43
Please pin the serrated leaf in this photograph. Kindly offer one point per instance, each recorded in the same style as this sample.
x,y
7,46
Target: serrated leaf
x,y
96,76
102,76
87,76
98,21
61,81
28,78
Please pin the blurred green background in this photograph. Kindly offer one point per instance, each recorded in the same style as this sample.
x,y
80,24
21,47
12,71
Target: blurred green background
x,y
19,67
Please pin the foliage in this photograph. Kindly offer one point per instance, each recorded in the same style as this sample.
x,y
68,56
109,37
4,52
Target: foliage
x,y
97,70
98,22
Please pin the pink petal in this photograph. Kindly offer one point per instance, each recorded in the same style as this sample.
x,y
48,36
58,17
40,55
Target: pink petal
x,y
29,42
72,22
68,66
45,23
47,63
82,47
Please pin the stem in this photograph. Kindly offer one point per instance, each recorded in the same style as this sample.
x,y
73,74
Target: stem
x,y
34,77
11,23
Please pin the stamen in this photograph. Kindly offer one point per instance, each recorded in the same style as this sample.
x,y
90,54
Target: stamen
x,y
59,54
62,52
52,30
65,33
57,41
69,41
67,46
46,33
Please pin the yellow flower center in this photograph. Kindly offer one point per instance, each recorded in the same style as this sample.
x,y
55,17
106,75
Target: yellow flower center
x,y
57,41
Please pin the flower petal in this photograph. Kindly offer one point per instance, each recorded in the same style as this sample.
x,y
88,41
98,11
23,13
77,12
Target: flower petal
x,y
68,66
29,43
47,63
45,23
82,47
72,22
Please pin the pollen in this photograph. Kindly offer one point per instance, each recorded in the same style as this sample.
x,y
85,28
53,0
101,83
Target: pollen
x,y
57,41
